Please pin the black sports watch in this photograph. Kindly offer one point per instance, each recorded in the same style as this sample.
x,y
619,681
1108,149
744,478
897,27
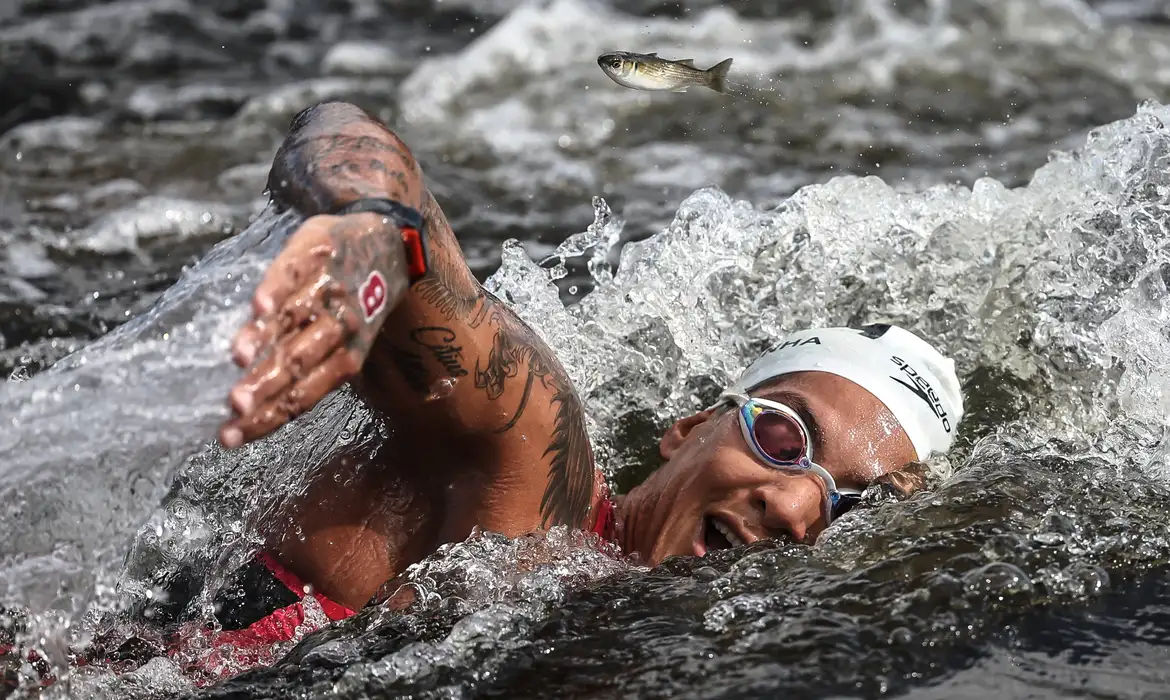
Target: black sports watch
x,y
410,223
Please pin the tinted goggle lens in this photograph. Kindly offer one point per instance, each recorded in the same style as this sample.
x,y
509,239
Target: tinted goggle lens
x,y
779,436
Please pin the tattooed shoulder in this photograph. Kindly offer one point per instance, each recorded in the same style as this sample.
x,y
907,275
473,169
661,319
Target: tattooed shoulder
x,y
567,497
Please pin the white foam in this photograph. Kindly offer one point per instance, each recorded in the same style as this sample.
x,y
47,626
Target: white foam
x,y
154,220
973,269
360,58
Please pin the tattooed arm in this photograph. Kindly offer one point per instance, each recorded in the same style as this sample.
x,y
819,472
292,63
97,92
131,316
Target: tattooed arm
x,y
458,374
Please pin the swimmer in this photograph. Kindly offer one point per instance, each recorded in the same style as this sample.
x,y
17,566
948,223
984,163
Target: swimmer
x,y
489,431
372,290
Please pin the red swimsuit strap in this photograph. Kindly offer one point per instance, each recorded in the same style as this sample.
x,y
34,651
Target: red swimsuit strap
x,y
334,611
605,522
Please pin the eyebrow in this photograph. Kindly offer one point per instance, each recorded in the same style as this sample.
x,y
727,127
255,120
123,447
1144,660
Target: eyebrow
x,y
798,403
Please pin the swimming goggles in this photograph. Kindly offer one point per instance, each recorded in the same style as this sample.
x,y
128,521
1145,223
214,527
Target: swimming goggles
x,y
780,439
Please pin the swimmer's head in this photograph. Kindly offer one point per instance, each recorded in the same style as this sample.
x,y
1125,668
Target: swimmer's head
x,y
793,442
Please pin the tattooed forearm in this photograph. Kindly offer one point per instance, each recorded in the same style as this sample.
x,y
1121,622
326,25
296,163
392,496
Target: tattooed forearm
x,y
336,153
447,327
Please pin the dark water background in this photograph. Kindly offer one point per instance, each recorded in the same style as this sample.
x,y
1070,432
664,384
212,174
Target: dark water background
x,y
176,99
136,135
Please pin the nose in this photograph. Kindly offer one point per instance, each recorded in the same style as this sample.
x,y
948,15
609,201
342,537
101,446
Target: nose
x,y
792,505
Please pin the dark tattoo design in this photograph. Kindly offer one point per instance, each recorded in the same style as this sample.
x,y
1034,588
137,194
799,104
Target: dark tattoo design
x,y
448,286
326,145
438,290
567,497
569,493
412,369
503,360
349,162
334,153
440,342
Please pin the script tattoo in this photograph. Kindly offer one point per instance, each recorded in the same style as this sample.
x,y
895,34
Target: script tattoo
x,y
440,341
413,371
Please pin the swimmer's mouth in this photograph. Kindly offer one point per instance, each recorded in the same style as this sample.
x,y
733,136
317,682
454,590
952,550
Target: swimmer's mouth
x,y
718,534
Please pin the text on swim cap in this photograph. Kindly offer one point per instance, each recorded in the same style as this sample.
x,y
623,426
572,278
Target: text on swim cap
x,y
793,343
923,390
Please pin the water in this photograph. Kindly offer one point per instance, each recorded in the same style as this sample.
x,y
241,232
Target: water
x,y
972,170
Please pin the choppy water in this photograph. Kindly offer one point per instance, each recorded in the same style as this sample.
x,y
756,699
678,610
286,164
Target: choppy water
x,y
1037,566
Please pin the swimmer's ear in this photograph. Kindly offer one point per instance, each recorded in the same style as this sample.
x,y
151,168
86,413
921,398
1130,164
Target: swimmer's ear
x,y
906,481
678,432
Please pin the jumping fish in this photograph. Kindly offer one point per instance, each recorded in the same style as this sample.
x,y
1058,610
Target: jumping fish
x,y
646,71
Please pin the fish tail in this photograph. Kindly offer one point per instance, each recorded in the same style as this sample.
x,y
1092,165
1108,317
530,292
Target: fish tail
x,y
718,76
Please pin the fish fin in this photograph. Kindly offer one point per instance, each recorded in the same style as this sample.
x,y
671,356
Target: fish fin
x,y
653,55
718,73
688,62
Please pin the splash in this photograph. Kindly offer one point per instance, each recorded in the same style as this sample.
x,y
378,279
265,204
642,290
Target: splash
x,y
1059,285
92,443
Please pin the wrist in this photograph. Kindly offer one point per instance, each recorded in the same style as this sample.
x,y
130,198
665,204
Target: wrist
x,y
406,221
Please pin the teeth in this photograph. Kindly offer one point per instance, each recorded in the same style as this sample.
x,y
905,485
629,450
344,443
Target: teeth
x,y
727,532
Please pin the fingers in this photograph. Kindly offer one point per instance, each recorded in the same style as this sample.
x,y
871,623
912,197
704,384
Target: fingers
x,y
299,308
294,357
295,266
311,326
292,401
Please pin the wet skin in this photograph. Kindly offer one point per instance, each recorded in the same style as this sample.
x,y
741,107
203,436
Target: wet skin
x,y
488,429
712,476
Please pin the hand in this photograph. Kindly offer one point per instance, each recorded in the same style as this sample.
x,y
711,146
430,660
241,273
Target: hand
x,y
315,316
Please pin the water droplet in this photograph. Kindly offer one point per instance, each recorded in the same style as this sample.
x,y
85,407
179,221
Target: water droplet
x,y
1048,538
442,389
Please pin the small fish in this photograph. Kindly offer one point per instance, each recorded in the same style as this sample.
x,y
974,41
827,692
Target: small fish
x,y
646,71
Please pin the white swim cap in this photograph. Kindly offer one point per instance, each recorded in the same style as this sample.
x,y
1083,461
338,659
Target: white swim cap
x,y
903,371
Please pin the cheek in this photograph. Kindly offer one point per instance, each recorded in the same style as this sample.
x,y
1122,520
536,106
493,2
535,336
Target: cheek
x,y
693,466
